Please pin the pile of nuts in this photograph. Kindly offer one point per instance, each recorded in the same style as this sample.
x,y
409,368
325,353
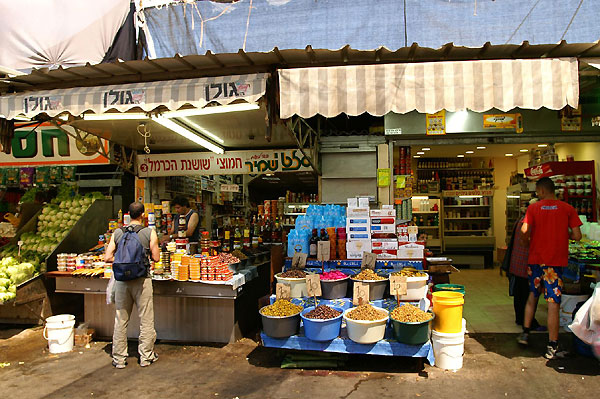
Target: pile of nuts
x,y
409,272
323,312
282,308
293,274
408,313
225,257
366,312
368,274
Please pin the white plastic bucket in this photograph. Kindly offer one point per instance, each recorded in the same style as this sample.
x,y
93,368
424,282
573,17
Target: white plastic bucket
x,y
448,349
416,288
297,285
60,333
567,306
366,331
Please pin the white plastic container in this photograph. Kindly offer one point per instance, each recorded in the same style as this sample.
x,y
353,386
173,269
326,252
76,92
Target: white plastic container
x,y
416,288
60,333
297,285
567,306
448,349
366,332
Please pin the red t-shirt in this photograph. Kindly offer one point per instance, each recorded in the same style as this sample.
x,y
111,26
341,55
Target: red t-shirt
x,y
549,221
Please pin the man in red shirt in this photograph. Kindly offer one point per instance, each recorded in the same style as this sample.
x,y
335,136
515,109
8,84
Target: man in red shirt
x,y
548,224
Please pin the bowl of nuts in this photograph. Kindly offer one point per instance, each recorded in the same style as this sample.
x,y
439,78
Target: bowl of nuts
x,y
322,323
296,279
366,324
281,319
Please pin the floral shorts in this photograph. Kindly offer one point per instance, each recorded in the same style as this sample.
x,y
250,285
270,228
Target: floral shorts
x,y
551,277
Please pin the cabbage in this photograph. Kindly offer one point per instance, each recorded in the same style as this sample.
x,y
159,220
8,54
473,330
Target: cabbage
x,y
7,296
4,283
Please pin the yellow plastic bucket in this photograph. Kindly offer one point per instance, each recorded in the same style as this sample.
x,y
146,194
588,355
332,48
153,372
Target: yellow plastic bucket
x,y
448,308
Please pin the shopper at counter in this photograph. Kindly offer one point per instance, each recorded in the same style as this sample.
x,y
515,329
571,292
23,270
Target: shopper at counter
x,y
547,225
138,291
192,221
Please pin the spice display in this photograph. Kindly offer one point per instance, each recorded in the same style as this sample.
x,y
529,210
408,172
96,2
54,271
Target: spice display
x,y
239,254
410,314
228,258
293,274
281,308
323,312
333,275
368,274
409,272
366,312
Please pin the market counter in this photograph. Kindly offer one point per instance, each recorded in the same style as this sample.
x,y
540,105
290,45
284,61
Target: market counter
x,y
184,311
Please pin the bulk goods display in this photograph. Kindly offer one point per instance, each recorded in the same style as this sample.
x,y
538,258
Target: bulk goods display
x,y
353,311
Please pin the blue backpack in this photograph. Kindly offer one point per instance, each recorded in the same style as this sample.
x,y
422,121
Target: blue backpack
x,y
130,259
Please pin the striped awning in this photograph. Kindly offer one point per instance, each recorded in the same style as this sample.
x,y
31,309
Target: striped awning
x,y
172,94
429,87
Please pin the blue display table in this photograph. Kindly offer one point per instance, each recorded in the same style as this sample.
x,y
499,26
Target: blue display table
x,y
386,347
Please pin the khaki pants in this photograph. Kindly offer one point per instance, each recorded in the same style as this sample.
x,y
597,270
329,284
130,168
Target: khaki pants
x,y
138,291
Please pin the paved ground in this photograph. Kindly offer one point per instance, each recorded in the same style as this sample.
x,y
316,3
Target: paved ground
x,y
495,366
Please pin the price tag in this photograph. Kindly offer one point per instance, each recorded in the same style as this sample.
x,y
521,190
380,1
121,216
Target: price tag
x,y
313,285
299,260
398,285
361,294
19,243
368,261
323,251
283,291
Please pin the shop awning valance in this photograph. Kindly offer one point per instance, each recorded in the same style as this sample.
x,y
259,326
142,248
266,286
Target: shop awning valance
x,y
171,93
429,87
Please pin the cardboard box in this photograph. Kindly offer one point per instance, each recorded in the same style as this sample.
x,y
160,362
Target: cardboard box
x,y
383,213
411,250
360,212
358,228
386,253
358,236
383,228
353,202
355,249
383,220
363,202
384,243
365,221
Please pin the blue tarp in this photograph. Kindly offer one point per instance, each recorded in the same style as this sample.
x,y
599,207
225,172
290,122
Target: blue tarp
x,y
366,25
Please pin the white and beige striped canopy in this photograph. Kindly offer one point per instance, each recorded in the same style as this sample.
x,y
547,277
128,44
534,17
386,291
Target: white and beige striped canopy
x,y
429,87
172,94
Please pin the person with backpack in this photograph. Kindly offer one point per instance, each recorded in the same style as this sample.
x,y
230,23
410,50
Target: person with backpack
x,y
129,250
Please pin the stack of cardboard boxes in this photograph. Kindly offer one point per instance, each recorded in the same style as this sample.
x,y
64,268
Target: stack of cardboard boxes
x,y
376,231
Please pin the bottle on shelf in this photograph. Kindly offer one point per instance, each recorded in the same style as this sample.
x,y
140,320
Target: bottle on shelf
x,y
314,239
323,236
237,239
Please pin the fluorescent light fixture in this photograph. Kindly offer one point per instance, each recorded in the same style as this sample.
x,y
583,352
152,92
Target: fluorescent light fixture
x,y
508,155
21,118
420,197
460,156
425,149
220,109
523,150
202,130
481,147
469,152
64,117
513,196
470,196
114,116
416,156
542,145
188,134
420,153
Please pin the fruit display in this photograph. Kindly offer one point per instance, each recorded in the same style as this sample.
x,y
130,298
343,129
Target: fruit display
x,y
13,273
54,223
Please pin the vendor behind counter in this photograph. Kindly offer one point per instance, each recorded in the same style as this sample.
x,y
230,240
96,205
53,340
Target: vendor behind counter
x,y
192,220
